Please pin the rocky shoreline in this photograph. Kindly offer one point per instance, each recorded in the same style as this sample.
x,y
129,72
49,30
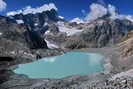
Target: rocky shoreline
x,y
102,79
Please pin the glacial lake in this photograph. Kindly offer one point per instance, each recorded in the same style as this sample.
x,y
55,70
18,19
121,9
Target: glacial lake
x,y
72,63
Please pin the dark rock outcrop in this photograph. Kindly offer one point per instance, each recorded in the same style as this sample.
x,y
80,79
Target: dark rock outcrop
x,y
38,21
34,40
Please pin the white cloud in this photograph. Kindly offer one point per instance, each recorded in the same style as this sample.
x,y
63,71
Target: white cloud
x,y
2,5
114,15
112,10
29,9
97,11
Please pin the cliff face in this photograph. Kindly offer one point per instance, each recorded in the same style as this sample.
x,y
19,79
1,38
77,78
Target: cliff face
x,y
12,38
101,33
107,32
13,46
19,44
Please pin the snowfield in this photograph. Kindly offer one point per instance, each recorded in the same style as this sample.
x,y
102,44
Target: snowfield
x,y
69,31
50,45
19,21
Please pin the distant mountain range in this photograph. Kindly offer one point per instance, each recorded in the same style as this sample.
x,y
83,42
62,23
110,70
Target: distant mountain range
x,y
47,29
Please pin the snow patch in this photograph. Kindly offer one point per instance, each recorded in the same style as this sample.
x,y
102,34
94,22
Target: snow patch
x,y
68,31
61,17
13,52
1,33
47,32
129,17
45,24
36,24
50,45
19,21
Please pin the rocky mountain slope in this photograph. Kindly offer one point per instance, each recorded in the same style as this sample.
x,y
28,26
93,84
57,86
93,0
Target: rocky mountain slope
x,y
19,44
97,34
25,37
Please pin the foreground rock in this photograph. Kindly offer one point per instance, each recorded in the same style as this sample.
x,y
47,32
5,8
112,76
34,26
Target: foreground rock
x,y
75,82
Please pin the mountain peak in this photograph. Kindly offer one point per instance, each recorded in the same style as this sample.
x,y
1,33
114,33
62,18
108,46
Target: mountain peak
x,y
30,10
77,20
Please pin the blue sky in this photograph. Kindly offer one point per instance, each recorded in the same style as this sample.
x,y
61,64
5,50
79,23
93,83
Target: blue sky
x,y
69,8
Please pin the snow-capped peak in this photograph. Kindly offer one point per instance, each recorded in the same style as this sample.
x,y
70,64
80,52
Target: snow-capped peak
x,y
29,9
77,20
61,17
129,17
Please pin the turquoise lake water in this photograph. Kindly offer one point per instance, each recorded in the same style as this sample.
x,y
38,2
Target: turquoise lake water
x,y
72,63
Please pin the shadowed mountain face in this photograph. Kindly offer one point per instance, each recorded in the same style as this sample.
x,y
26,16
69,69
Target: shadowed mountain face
x,y
38,21
34,39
